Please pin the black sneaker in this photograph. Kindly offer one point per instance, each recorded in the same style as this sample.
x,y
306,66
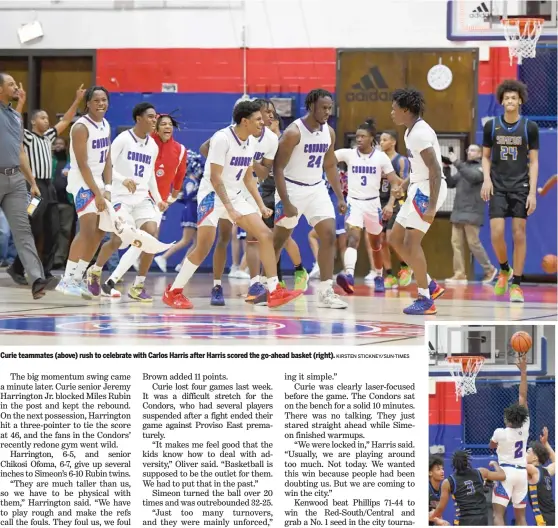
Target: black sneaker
x,y
16,277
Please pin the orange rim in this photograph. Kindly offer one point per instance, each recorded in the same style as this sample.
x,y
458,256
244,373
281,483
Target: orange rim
x,y
467,362
522,22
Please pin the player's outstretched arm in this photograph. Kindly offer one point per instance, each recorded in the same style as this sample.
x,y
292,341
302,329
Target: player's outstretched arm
x,y
445,493
289,140
522,366
497,474
66,120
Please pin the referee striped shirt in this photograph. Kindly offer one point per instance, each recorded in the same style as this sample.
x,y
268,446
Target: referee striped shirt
x,y
39,150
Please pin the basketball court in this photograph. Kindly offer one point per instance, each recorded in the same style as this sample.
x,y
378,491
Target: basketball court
x,y
370,319
468,422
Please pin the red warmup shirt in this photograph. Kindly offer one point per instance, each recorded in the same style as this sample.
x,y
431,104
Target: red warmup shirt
x,y
169,168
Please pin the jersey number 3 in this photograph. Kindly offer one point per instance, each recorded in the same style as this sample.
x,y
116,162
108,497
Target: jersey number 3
x,y
508,152
470,487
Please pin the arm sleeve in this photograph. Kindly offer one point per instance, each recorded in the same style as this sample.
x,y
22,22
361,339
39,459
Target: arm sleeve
x,y
533,135
180,171
218,148
272,149
497,436
487,134
27,138
342,155
422,140
51,134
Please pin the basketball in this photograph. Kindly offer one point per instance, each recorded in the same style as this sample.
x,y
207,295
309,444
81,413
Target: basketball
x,y
521,342
549,264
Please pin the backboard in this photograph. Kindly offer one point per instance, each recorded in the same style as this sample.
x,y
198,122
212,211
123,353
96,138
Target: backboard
x,y
481,19
489,341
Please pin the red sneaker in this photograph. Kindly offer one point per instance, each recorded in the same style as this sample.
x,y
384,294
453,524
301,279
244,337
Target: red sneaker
x,y
176,299
282,296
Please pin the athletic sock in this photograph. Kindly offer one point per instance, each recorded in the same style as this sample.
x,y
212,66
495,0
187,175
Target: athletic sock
x,y
403,264
217,282
425,292
350,260
517,280
184,275
139,281
428,279
504,266
272,283
299,267
325,285
81,268
389,272
254,280
70,269
96,269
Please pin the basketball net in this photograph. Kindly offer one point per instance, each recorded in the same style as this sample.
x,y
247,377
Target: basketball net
x,y
464,370
522,35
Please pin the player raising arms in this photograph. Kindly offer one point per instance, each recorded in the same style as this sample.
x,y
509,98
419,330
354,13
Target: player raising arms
x,y
426,192
305,152
228,169
510,164
89,182
511,444
365,166
540,480
133,154
466,485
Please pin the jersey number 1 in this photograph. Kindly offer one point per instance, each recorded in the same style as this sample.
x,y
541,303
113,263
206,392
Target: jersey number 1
x,y
103,156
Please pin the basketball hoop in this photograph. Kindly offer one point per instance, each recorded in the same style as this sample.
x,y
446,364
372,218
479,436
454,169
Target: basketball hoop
x,y
464,370
522,35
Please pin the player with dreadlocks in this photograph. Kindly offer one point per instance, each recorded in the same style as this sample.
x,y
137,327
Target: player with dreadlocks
x,y
170,168
306,150
426,193
466,485
90,183
540,480
511,446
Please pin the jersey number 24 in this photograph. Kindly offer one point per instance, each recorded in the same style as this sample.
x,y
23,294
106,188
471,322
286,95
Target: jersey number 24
x,y
314,162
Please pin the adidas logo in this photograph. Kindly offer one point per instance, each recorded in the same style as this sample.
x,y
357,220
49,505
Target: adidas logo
x,y
481,11
371,87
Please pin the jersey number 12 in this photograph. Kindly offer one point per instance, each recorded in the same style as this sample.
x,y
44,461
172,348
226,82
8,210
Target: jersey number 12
x,y
138,170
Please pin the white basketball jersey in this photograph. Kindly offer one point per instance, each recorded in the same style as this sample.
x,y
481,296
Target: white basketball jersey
x,y
364,172
98,146
133,158
418,138
307,159
233,154
265,146
512,444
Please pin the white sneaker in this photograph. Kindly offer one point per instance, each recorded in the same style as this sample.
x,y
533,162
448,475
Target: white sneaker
x,y
329,299
315,273
370,277
161,262
238,274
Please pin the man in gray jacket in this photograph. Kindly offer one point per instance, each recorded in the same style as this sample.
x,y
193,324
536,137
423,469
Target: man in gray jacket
x,y
467,216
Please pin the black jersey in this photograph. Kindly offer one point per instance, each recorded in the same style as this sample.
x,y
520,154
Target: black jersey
x,y
385,187
510,144
467,489
433,498
541,499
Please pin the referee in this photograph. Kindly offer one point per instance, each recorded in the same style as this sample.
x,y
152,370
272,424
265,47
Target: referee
x,y
45,222
14,171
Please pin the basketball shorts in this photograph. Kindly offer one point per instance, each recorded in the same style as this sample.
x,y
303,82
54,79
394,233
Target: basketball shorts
x,y
269,202
140,213
190,215
339,218
84,199
241,234
473,520
514,489
211,209
411,212
365,214
312,202
508,204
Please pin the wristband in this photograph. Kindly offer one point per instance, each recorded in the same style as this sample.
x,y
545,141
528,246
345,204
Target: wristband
x,y
108,188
